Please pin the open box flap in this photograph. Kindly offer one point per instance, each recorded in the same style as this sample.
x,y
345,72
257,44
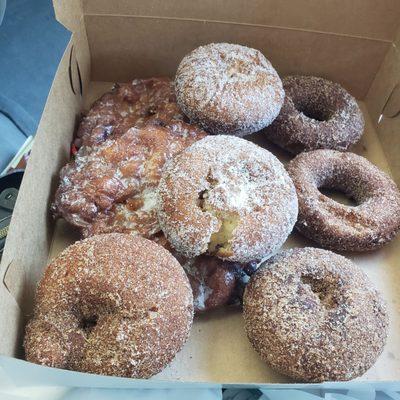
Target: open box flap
x,y
364,18
69,13
30,233
29,236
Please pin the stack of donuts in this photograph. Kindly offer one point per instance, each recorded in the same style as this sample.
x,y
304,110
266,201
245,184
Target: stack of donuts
x,y
179,215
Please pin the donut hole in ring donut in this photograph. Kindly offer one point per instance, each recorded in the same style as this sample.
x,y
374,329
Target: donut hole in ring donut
x,y
88,323
339,196
325,291
313,107
339,185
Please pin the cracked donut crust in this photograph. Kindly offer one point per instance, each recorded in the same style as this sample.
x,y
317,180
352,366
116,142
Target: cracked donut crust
x,y
227,197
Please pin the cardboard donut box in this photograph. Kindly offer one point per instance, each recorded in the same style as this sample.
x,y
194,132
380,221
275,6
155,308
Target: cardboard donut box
x,y
352,42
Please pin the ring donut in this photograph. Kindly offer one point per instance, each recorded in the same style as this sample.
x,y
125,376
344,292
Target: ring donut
x,y
315,316
112,304
316,114
375,219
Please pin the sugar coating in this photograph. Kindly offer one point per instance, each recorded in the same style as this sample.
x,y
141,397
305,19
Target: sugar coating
x,y
112,304
369,225
228,89
315,316
316,114
230,185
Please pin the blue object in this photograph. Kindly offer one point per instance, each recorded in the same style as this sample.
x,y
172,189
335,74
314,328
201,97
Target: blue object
x,y
2,9
32,43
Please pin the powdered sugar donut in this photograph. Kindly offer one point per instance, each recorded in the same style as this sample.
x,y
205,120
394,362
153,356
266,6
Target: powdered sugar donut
x,y
228,89
316,114
375,219
112,304
228,197
315,316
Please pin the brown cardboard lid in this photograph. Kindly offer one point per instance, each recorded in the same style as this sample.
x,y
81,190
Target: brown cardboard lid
x,y
364,18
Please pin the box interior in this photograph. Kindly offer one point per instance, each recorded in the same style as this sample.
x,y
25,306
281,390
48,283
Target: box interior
x,y
354,43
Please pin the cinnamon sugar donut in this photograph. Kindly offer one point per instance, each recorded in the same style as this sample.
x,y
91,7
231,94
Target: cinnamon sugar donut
x,y
227,197
316,114
228,89
111,188
113,305
315,316
139,102
375,219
